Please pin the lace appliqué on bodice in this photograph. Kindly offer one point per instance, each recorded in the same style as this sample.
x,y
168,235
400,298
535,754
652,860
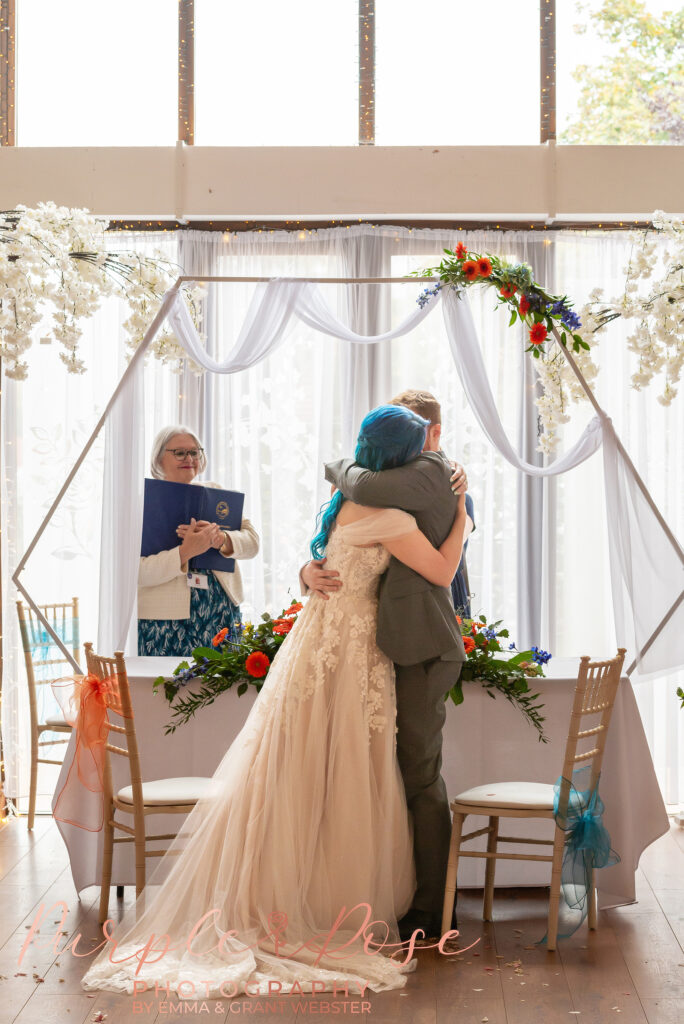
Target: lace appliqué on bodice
x,y
333,641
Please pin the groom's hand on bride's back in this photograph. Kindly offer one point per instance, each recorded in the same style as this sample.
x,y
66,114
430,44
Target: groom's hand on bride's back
x,y
319,580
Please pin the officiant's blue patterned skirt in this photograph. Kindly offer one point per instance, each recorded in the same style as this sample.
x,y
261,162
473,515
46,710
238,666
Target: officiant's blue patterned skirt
x,y
210,611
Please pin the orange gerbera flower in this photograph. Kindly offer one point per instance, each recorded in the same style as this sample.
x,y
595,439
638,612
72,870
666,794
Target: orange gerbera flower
x,y
257,664
469,644
524,305
470,269
484,266
508,290
538,334
282,626
220,637
461,250
294,608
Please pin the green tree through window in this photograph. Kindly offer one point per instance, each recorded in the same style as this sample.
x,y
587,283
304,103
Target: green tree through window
x,y
636,95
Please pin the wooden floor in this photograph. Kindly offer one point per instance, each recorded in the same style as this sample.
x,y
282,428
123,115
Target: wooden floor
x,y
631,969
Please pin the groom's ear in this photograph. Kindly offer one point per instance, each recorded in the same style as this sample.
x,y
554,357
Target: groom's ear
x,y
434,436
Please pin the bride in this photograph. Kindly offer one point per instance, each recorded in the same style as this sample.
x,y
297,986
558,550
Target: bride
x,y
292,875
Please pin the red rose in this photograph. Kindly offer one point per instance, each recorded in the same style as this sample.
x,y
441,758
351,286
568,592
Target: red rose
x,y
484,267
257,664
293,609
282,626
524,305
538,334
220,637
470,269
461,251
469,644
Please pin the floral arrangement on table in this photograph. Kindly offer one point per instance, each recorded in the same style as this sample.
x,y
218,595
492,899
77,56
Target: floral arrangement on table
x,y
657,339
495,668
243,659
56,261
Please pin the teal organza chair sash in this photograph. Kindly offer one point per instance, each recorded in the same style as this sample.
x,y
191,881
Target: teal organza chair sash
x,y
578,811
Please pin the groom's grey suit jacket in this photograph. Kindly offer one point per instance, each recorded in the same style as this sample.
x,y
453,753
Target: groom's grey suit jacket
x,y
416,618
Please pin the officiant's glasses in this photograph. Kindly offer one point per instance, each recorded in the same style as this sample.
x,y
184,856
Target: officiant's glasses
x,y
186,453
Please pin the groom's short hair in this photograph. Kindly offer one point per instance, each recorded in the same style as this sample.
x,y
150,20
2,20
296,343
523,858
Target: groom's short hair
x,y
422,402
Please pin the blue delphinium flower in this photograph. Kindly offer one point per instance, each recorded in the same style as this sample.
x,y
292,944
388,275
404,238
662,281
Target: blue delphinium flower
x,y
511,647
491,634
540,657
568,317
427,294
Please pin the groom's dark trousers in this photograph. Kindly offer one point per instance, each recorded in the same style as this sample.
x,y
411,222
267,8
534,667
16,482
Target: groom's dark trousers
x,y
417,629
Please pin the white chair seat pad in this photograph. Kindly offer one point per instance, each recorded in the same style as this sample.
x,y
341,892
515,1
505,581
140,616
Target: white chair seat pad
x,y
170,791
536,795
56,721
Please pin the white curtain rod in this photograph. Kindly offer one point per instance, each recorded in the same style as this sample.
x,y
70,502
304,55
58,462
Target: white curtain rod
x,y
314,280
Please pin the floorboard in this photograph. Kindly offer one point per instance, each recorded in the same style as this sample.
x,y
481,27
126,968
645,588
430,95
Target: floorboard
x,y
630,969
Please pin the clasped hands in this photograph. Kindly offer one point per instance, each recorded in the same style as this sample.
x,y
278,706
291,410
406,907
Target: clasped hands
x,y
324,581
198,536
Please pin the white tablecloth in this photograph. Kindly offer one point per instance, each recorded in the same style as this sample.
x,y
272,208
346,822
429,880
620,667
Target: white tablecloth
x,y
485,740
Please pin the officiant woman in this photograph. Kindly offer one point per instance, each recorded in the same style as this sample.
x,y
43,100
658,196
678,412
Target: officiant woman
x,y
174,617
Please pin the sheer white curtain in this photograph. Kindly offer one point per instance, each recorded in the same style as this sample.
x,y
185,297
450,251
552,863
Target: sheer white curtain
x,y
538,558
45,423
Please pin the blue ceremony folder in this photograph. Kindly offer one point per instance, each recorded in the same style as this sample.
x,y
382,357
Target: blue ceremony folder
x,y
168,504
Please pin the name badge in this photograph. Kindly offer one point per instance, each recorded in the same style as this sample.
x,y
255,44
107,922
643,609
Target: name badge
x,y
198,579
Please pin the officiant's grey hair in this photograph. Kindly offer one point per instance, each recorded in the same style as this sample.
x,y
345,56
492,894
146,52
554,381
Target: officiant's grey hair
x,y
161,443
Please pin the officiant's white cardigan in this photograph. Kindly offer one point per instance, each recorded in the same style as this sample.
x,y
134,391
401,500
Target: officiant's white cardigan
x,y
163,591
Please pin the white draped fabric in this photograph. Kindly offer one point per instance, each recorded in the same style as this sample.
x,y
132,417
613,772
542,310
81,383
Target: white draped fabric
x,y
264,330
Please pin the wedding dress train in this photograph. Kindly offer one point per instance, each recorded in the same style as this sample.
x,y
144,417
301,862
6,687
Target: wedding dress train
x,y
308,820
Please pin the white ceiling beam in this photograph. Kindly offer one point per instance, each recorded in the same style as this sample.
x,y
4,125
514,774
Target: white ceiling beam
x,y
200,182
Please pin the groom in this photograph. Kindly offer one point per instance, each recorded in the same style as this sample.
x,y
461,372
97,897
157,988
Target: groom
x,y
417,629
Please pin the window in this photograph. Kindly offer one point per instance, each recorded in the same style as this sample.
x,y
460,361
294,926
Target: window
x,y
457,74
97,74
620,72
269,73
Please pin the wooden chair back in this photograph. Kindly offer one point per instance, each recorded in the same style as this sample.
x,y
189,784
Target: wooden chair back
x,y
595,693
121,721
61,616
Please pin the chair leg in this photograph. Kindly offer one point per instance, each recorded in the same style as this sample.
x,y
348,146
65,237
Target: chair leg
x,y
452,871
492,842
139,858
33,786
592,915
107,854
554,895
119,892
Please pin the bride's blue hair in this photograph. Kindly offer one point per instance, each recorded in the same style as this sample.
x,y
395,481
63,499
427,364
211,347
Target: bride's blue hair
x,y
389,436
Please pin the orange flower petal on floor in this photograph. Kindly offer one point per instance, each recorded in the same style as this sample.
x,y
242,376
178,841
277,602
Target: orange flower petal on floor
x,y
257,664
470,269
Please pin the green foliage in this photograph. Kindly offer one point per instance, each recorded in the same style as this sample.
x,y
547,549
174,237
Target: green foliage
x,y
504,675
636,95
216,669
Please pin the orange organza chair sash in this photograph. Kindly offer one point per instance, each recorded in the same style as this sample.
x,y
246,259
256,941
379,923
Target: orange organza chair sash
x,y
85,701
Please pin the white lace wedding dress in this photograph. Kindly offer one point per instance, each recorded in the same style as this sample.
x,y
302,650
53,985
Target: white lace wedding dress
x,y
308,817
